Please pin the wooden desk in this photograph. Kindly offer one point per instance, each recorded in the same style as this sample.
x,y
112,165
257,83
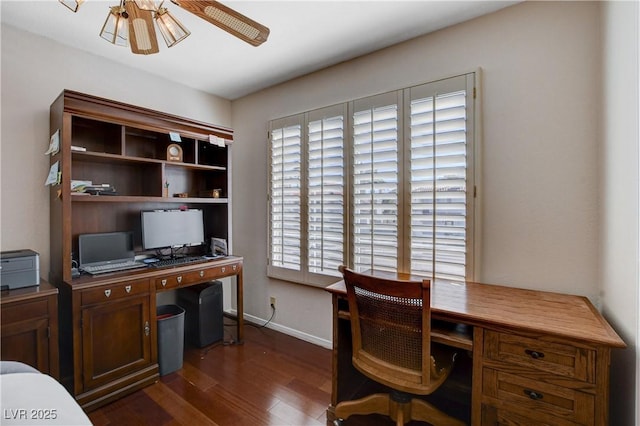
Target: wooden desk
x,y
30,327
112,328
538,357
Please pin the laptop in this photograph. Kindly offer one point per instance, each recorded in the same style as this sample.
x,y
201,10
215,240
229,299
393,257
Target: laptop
x,y
106,252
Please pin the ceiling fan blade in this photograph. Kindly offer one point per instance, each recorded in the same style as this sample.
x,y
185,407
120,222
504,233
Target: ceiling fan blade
x,y
142,33
228,19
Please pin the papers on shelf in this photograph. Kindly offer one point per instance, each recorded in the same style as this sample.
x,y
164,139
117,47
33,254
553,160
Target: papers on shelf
x,y
86,187
80,185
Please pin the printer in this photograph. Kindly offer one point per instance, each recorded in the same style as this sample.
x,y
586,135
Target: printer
x,y
19,268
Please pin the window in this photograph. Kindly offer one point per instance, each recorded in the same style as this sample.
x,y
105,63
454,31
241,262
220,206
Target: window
x,y
375,188
440,173
325,191
384,182
286,185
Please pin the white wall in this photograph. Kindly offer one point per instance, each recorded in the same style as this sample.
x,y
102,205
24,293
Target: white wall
x,y
619,191
542,77
34,72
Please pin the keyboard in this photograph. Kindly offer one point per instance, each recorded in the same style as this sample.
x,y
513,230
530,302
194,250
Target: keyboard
x,y
177,261
112,267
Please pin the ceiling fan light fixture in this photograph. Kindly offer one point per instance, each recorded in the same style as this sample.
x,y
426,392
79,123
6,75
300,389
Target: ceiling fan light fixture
x,y
146,4
232,22
142,34
171,29
116,28
132,23
73,5
228,19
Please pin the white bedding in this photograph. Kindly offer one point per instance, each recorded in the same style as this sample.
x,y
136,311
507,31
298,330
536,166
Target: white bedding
x,y
31,398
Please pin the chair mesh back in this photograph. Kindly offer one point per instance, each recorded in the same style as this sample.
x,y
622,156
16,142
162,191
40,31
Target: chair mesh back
x,y
391,328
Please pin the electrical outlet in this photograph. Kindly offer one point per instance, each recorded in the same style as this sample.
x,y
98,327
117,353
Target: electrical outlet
x,y
272,301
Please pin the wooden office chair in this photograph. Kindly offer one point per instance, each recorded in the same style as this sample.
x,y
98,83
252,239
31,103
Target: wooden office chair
x,y
390,327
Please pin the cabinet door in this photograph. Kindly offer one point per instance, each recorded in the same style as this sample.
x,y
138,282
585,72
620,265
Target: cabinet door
x,y
116,339
27,341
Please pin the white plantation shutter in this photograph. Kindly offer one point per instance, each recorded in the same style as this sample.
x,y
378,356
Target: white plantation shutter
x,y
439,182
285,195
384,182
375,171
326,191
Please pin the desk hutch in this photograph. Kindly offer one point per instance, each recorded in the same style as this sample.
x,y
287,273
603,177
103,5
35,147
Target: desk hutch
x,y
108,332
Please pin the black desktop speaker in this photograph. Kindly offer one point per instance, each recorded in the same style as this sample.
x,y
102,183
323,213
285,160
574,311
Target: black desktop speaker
x,y
204,322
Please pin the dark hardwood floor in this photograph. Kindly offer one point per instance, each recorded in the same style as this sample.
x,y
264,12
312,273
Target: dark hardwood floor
x,y
272,379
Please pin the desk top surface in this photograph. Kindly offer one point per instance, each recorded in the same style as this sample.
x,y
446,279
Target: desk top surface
x,y
85,281
42,290
528,310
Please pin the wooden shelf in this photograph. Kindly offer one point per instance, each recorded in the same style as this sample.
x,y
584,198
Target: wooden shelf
x,y
136,199
101,157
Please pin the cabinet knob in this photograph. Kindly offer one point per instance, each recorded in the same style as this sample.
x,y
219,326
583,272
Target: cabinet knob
x,y
147,329
201,274
107,292
127,288
533,394
534,354
179,279
164,283
223,269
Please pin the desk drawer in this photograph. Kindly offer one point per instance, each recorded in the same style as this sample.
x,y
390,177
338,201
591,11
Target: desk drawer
x,y
114,291
492,416
529,396
194,277
226,270
18,311
559,359
183,279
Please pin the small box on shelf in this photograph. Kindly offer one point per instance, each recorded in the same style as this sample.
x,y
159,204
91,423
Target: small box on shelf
x,y
211,193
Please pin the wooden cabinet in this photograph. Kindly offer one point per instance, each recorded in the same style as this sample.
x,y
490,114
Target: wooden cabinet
x,y
116,335
541,380
30,327
108,347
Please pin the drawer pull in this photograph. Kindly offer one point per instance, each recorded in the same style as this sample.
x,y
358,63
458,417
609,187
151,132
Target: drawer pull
x,y
128,289
534,354
201,274
107,292
223,269
164,283
235,267
533,394
179,279
147,329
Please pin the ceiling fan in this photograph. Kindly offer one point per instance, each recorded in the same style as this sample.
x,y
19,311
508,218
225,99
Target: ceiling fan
x,y
131,23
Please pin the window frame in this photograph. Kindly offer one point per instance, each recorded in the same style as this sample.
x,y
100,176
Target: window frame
x,y
403,99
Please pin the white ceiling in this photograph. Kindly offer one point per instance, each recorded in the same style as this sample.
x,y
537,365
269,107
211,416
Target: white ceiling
x,y
305,36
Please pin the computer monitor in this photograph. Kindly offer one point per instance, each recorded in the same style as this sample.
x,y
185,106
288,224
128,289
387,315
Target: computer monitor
x,y
172,228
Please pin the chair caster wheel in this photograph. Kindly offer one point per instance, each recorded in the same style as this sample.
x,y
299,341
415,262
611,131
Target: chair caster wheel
x,y
337,422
